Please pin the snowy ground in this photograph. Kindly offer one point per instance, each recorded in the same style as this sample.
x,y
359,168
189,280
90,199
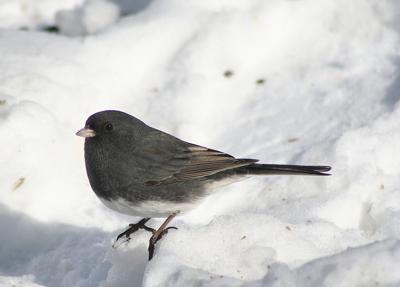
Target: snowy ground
x,y
306,82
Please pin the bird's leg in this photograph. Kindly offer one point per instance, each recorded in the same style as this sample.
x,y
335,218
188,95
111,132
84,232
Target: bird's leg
x,y
133,228
158,234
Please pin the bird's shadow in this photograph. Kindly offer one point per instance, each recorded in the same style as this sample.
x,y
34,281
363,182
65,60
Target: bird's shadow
x,y
129,7
392,95
65,255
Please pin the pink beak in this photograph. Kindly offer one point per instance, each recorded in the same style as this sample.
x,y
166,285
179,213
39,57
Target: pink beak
x,y
86,133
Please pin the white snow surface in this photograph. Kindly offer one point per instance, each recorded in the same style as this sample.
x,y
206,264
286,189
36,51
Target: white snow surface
x,y
301,82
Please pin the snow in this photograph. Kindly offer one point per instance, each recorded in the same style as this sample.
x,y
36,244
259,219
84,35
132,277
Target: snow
x,y
31,14
303,82
91,17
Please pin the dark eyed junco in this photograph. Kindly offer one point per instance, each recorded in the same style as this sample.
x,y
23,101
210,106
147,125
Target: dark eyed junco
x,y
141,171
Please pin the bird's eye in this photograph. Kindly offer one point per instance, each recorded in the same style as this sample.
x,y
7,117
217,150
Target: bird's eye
x,y
109,127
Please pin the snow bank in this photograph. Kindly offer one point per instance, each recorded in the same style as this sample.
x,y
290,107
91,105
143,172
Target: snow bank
x,y
363,266
352,267
24,281
306,82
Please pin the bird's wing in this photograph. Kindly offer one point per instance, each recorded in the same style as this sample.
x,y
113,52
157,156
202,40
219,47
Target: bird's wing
x,y
173,160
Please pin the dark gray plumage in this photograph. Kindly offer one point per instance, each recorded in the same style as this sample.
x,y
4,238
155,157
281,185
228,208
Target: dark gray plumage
x,y
141,171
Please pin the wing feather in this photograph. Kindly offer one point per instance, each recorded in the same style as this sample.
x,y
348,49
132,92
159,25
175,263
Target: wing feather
x,y
202,162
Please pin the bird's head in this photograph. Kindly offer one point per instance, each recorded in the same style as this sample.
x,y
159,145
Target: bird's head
x,y
112,126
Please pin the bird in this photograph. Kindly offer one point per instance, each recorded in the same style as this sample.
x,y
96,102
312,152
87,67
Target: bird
x,y
141,171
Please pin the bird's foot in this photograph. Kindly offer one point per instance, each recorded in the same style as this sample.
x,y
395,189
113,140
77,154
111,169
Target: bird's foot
x,y
163,229
133,227
155,238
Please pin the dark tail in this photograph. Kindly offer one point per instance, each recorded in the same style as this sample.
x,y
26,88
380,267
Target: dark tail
x,y
265,169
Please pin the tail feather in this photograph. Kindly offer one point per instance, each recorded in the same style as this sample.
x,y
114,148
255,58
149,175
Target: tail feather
x,y
275,169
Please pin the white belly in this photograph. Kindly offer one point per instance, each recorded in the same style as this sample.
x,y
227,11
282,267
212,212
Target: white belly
x,y
151,208
147,208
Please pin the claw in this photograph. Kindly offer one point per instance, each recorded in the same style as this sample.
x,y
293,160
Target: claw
x,y
132,229
157,234
154,239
